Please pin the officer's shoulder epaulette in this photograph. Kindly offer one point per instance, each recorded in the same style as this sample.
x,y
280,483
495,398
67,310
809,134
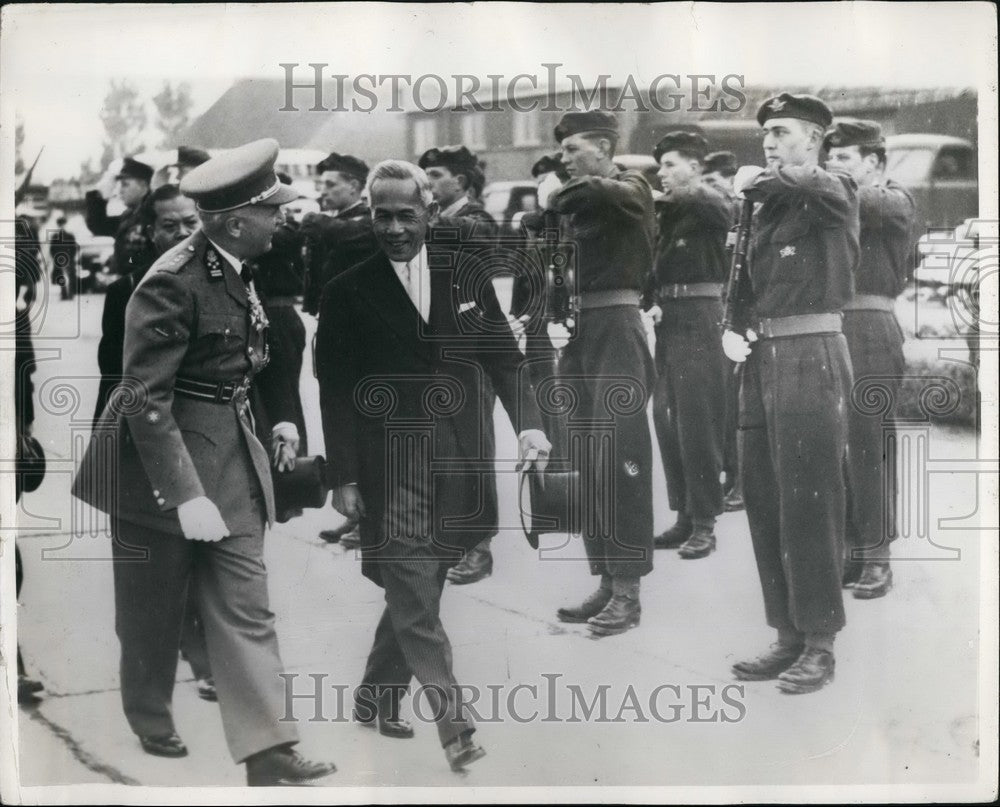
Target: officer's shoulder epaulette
x,y
175,259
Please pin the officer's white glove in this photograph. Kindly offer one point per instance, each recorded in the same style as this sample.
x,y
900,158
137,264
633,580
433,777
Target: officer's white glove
x,y
654,314
284,445
558,334
736,347
534,448
745,175
201,520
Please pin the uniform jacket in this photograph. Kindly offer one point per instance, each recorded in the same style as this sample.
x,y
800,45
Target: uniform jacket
x,y
804,244
887,215
131,246
189,317
382,370
331,245
691,247
611,223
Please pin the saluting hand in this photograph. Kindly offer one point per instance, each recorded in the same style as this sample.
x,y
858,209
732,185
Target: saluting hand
x,y
745,175
201,520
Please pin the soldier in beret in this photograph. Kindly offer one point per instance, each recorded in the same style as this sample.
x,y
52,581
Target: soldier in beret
x,y
685,298
718,170
133,185
609,215
875,341
796,388
192,486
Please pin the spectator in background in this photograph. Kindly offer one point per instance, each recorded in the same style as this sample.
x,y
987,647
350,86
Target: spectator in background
x,y
133,186
63,250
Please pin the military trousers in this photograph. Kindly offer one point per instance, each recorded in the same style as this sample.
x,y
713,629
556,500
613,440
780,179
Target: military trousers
x,y
151,573
794,397
689,404
875,342
608,372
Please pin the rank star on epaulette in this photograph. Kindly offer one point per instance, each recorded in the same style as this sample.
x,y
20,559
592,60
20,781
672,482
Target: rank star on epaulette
x,y
214,264
787,252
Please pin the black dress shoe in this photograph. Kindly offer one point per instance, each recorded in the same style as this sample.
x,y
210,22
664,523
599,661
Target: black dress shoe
x,y
852,573
352,539
769,665
813,670
206,689
163,745
284,766
475,566
675,536
875,581
618,616
699,545
462,752
397,728
733,501
590,607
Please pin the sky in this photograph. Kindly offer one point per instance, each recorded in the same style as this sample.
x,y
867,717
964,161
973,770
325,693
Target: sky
x,y
57,60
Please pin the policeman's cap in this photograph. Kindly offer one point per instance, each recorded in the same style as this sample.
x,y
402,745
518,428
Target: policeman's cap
x,y
457,159
722,161
686,142
803,107
854,132
591,121
344,164
133,169
191,157
238,177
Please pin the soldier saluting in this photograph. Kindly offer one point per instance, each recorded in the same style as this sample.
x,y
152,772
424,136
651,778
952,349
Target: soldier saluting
x,y
875,342
796,388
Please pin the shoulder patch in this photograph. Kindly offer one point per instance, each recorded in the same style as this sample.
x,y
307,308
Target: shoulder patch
x,y
174,260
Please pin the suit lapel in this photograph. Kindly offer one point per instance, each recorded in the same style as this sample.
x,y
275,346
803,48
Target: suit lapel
x,y
385,293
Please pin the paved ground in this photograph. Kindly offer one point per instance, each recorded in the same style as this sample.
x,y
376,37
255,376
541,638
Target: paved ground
x,y
902,711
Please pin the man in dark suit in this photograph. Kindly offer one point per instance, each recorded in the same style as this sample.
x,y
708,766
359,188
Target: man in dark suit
x,y
405,339
457,179
191,485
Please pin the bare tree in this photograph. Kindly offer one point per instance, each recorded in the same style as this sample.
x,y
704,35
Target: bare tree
x,y
124,119
173,106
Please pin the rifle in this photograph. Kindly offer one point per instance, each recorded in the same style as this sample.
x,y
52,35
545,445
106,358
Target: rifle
x,y
22,189
741,245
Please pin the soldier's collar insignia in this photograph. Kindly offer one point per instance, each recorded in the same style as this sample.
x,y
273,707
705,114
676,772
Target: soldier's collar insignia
x,y
214,263
777,105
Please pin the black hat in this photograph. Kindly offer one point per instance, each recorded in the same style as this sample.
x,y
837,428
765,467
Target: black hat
x,y
546,164
687,142
803,107
191,157
133,169
238,177
722,161
854,132
457,159
344,164
592,121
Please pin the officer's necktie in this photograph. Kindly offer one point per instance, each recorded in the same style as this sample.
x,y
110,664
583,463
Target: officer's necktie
x,y
245,274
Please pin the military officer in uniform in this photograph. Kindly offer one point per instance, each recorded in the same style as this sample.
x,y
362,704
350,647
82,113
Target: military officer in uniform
x,y
796,388
687,282
191,489
133,186
457,178
875,342
609,215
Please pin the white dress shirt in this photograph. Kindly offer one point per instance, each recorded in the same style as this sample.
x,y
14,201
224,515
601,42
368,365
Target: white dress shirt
x,y
415,276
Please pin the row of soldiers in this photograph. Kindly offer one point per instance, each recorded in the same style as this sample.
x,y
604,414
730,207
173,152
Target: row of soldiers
x,y
808,265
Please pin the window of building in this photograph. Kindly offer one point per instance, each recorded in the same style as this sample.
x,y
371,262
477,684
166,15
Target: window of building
x,y
474,130
526,128
424,134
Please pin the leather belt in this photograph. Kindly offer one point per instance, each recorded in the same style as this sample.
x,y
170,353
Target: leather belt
x,y
871,302
675,291
606,299
221,392
799,325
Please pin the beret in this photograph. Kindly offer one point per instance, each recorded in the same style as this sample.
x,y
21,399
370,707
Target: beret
x,y
591,121
238,177
457,159
133,169
345,164
681,141
803,107
722,161
191,157
854,132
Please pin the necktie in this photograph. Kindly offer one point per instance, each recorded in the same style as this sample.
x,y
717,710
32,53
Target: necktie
x,y
413,285
245,274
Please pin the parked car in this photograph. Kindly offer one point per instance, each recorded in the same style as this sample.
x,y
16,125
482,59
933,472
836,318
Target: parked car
x,y
504,200
942,174
95,273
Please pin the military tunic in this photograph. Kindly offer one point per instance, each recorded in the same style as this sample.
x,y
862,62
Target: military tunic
x,y
689,404
875,342
795,392
608,367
